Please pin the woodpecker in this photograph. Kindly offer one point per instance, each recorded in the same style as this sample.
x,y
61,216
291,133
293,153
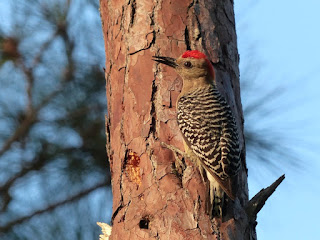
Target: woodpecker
x,y
207,125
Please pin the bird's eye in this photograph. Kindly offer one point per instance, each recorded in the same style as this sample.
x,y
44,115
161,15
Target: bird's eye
x,y
188,64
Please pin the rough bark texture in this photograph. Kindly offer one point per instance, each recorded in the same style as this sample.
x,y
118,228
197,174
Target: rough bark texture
x,y
150,201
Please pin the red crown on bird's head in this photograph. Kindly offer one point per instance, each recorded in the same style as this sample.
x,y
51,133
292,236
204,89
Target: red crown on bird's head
x,y
194,54
199,55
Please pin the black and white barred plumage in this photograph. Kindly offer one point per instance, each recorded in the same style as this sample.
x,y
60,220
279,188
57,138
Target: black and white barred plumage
x,y
208,126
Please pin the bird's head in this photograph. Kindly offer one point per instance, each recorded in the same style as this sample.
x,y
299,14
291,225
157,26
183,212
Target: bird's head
x,y
191,65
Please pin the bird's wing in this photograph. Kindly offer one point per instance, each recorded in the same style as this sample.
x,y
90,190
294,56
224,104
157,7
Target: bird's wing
x,y
204,132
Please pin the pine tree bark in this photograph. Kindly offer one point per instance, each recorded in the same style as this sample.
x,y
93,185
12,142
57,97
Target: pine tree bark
x,y
150,200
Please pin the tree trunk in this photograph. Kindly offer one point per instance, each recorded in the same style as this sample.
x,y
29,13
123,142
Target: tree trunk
x,y
150,199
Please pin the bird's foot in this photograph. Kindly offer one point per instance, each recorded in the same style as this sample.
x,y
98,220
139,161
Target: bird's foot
x,y
179,163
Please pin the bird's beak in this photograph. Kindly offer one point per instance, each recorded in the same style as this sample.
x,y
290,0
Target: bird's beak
x,y
166,60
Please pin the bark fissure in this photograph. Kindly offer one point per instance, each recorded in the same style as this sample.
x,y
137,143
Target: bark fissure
x,y
115,213
123,218
121,203
133,11
149,45
194,36
122,18
108,145
153,125
186,38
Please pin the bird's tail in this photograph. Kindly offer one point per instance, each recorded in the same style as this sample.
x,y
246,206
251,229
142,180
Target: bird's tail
x,y
215,198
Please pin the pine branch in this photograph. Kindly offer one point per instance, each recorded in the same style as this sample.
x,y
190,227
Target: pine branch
x,y
257,202
51,207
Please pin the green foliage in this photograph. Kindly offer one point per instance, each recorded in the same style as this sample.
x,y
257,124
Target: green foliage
x,y
52,106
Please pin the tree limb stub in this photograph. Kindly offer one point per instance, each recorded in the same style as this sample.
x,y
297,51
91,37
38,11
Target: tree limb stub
x,y
257,202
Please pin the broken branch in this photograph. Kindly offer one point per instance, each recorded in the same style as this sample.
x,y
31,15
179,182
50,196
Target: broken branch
x,y
257,202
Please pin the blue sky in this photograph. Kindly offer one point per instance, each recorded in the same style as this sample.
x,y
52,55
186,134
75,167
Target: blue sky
x,y
283,38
